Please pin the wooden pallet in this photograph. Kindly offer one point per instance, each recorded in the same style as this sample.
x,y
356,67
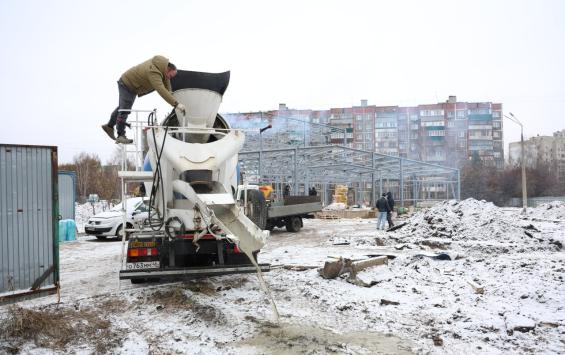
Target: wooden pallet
x,y
325,215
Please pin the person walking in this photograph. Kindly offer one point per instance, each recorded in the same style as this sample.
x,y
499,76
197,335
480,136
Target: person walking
x,y
154,74
383,207
390,201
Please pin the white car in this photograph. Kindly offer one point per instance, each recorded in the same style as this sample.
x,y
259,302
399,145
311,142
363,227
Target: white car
x,y
110,223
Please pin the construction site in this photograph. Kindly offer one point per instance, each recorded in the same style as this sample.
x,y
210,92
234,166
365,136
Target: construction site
x,y
298,177
262,237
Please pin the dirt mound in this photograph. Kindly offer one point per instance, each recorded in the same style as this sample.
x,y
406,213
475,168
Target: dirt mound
x,y
472,225
553,210
56,329
177,298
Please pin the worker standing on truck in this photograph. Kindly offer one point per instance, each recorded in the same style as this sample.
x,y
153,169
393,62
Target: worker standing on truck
x,y
153,74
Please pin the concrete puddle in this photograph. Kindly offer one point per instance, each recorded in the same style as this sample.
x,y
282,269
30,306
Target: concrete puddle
x,y
306,339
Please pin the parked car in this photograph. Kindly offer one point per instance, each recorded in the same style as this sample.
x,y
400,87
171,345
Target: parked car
x,y
110,223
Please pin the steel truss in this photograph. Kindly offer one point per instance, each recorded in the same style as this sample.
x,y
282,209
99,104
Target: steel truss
x,y
312,162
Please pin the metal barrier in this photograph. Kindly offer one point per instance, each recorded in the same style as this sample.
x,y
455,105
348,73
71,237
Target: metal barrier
x,y
534,201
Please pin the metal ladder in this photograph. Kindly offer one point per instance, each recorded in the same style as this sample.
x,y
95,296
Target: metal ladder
x,y
137,175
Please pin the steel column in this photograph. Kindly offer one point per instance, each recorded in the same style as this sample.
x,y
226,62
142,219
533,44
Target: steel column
x,y
401,187
458,184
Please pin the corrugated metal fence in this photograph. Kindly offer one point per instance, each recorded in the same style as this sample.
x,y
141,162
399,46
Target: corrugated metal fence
x,y
29,250
67,194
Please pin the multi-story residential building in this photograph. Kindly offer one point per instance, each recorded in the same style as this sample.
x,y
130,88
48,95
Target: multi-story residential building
x,y
559,154
447,133
541,149
536,150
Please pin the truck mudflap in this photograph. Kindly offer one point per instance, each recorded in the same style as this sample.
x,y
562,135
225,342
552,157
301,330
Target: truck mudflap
x,y
188,272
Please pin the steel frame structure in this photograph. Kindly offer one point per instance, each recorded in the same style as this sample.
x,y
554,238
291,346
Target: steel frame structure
x,y
309,162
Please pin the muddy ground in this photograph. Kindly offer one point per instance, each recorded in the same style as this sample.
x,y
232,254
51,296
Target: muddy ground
x,y
417,304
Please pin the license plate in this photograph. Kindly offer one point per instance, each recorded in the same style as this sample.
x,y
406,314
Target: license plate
x,y
142,265
88,228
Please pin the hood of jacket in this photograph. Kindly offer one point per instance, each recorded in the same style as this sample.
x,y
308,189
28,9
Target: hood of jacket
x,y
161,63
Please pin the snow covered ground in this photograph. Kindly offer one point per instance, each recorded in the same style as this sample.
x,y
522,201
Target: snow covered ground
x,y
417,304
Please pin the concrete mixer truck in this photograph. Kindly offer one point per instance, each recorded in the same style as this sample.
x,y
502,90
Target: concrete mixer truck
x,y
196,227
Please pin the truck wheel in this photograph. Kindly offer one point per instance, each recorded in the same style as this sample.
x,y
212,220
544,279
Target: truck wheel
x,y
119,231
257,208
293,224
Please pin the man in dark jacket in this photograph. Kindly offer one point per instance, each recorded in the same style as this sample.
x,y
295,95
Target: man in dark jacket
x,y
390,201
154,74
286,191
312,192
383,207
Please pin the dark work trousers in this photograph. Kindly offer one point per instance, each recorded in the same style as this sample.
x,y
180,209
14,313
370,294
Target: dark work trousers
x,y
389,219
125,103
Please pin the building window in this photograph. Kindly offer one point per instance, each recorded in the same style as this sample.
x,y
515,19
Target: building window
x,y
433,124
480,111
496,124
496,114
462,134
430,113
436,133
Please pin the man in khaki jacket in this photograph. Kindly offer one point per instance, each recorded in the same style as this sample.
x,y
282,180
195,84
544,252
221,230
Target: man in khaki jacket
x,y
153,74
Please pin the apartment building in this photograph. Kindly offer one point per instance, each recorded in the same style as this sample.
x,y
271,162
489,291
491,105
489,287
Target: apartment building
x,y
447,133
541,149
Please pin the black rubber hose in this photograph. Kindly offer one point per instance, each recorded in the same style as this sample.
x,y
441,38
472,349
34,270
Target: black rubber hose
x,y
157,176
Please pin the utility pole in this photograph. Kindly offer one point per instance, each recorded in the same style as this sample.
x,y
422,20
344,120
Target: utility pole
x,y
261,148
524,189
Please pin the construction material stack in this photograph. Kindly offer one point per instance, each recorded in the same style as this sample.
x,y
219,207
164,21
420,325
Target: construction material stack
x,y
340,195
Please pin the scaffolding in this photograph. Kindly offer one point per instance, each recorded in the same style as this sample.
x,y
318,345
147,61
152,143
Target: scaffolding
x,y
279,157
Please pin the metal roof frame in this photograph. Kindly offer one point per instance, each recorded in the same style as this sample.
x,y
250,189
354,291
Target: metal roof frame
x,y
306,162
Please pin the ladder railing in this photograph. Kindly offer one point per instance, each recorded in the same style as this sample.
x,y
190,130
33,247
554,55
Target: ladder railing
x,y
135,150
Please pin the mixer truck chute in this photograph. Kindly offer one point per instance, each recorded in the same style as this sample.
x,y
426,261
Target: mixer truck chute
x,y
199,228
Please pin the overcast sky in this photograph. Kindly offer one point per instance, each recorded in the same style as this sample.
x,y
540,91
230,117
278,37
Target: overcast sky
x,y
60,59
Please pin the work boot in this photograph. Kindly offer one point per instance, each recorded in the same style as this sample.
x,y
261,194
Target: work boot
x,y
109,131
123,140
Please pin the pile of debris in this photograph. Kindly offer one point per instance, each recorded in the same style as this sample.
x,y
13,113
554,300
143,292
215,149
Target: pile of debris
x,y
473,225
548,211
